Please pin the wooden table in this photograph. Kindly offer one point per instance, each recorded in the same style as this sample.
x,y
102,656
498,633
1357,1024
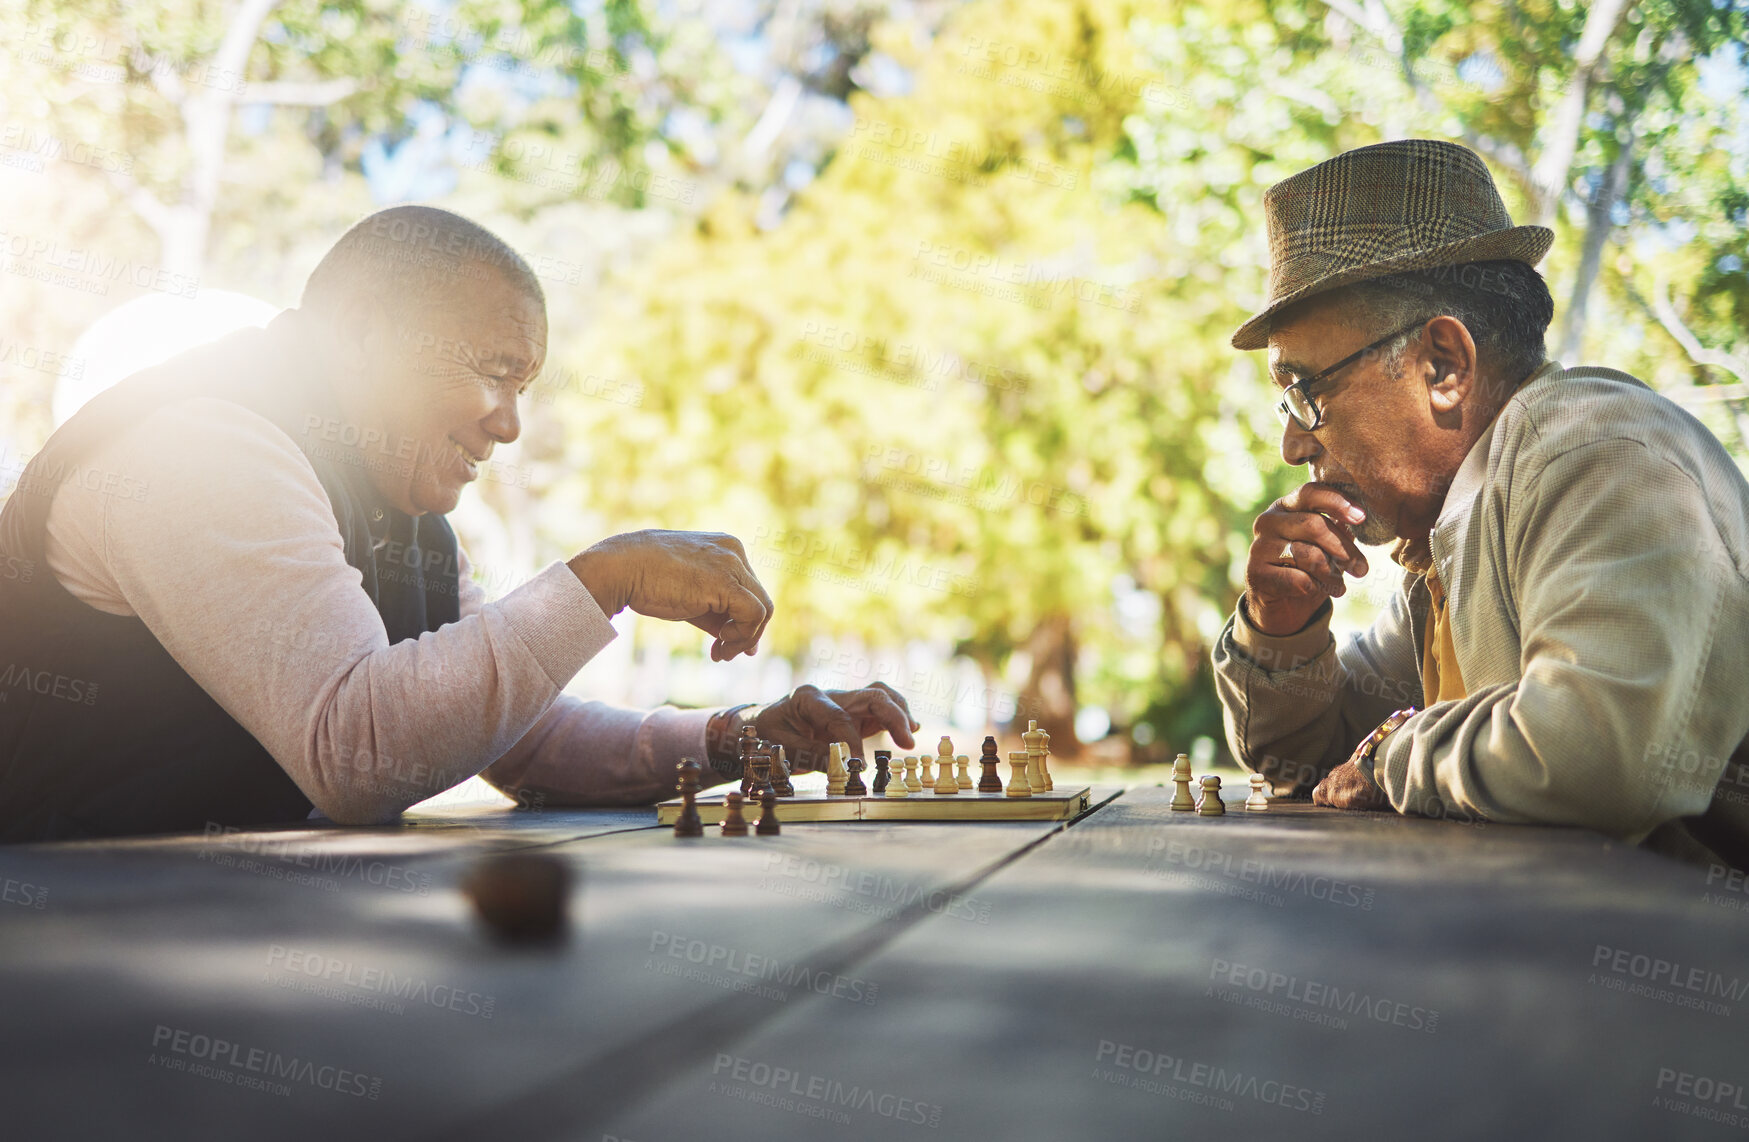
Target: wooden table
x,y
1138,973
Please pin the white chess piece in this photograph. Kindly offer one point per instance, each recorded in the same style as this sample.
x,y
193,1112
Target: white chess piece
x,y
1018,784
1259,798
1182,801
945,781
1035,757
967,785
836,774
1211,804
912,785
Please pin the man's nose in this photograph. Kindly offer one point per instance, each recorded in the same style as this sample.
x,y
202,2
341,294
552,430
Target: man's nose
x,y
504,425
1299,446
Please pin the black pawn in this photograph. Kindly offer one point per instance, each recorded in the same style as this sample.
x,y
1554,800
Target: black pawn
x,y
990,781
768,826
734,824
883,770
853,786
688,823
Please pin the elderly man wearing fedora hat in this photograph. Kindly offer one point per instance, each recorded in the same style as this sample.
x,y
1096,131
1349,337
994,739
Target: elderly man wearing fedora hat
x,y
1569,642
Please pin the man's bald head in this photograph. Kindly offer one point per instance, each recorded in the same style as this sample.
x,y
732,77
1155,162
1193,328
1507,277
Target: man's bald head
x,y
416,261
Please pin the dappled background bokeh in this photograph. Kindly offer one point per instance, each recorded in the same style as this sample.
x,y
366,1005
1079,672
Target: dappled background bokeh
x,y
927,302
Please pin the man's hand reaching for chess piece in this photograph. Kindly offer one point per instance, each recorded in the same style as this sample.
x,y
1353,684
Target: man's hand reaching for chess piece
x,y
808,720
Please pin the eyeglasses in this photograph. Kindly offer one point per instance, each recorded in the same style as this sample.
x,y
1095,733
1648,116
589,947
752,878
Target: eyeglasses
x,y
1296,403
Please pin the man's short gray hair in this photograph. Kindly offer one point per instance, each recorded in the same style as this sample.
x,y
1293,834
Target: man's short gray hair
x,y
1505,305
415,260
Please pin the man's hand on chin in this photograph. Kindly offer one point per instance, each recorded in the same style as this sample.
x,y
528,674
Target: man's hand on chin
x,y
1346,787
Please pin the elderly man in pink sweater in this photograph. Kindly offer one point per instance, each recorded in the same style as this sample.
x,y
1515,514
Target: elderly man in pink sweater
x,y
232,597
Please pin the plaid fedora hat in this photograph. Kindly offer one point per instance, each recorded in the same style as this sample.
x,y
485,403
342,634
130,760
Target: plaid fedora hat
x,y
1407,205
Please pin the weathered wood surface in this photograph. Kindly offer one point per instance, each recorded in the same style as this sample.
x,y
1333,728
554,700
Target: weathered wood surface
x,y
353,952
1150,974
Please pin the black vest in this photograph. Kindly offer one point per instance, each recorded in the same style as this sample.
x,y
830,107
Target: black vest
x,y
102,733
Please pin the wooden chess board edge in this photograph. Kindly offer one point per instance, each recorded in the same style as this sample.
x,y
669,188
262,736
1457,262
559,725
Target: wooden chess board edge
x,y
1058,805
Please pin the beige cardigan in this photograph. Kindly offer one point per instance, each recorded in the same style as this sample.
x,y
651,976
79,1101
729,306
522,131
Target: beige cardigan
x,y
1595,547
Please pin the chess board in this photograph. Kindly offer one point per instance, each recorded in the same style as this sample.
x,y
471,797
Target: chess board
x,y
812,806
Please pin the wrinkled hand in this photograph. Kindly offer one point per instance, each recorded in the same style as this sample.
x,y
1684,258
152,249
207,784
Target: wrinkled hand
x,y
1346,787
699,577
1303,546
810,719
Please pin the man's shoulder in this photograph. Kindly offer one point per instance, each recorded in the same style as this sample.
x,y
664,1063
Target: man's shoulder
x,y
1561,410
204,428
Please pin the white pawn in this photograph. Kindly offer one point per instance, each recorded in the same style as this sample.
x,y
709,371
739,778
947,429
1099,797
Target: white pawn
x,y
1182,801
928,779
896,786
836,774
967,785
1211,804
912,785
945,781
1035,757
1018,785
1259,798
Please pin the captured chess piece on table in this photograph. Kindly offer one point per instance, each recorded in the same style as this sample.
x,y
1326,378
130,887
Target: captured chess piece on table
x,y
688,823
1182,801
521,897
1259,798
1211,804
768,824
734,824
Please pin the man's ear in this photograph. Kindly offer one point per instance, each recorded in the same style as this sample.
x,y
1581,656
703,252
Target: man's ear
x,y
1448,354
362,331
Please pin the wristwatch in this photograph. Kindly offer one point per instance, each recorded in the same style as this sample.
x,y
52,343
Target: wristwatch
x,y
722,738
1363,753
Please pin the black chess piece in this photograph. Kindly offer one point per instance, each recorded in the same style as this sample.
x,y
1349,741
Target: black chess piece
x,y
761,775
734,824
747,746
768,825
780,782
883,770
990,781
688,823
853,786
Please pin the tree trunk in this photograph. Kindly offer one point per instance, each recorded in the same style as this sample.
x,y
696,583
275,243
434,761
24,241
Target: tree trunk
x,y
1598,225
1049,694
